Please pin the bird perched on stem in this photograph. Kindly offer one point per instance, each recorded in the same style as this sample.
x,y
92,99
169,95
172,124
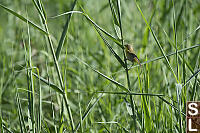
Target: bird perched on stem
x,y
130,54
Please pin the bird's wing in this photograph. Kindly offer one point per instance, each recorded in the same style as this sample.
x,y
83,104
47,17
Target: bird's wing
x,y
135,58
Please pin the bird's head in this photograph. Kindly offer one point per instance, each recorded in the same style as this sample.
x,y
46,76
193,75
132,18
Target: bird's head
x,y
128,47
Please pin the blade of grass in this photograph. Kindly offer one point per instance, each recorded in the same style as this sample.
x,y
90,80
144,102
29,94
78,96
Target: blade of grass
x,y
29,113
111,49
38,9
147,116
146,33
109,46
188,35
178,86
53,113
1,124
41,7
52,85
30,83
195,74
6,129
46,127
114,16
61,125
175,40
180,56
178,95
63,36
129,93
101,29
168,55
157,42
116,22
188,65
57,69
194,90
185,49
87,112
106,77
170,104
80,113
23,19
40,106
21,118
93,23
180,14
32,88
126,67
145,109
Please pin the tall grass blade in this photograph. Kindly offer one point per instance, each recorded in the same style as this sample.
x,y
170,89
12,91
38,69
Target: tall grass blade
x,y
157,42
63,36
101,29
21,117
23,19
126,66
168,55
32,88
194,90
128,107
195,74
6,129
129,93
178,93
147,116
106,77
38,9
113,11
46,127
93,23
111,49
40,106
88,111
188,66
175,40
47,82
57,68
116,24
170,105
1,124
180,14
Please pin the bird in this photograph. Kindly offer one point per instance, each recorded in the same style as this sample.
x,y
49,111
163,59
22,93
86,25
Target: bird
x,y
130,54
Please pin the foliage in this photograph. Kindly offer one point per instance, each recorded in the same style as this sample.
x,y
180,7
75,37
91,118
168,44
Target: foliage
x,y
63,66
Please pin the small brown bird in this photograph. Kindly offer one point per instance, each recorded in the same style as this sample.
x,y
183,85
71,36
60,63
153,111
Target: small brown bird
x,y
130,54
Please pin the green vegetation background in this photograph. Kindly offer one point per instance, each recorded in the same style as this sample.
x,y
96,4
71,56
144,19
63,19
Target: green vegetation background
x,y
92,102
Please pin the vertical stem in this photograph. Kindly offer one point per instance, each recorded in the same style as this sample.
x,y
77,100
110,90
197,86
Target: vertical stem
x,y
43,18
126,68
59,76
177,69
31,94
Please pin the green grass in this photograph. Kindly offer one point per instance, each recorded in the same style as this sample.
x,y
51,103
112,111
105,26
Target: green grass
x,y
63,66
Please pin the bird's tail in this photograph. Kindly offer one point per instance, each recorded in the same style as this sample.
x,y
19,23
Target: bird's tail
x,y
138,61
